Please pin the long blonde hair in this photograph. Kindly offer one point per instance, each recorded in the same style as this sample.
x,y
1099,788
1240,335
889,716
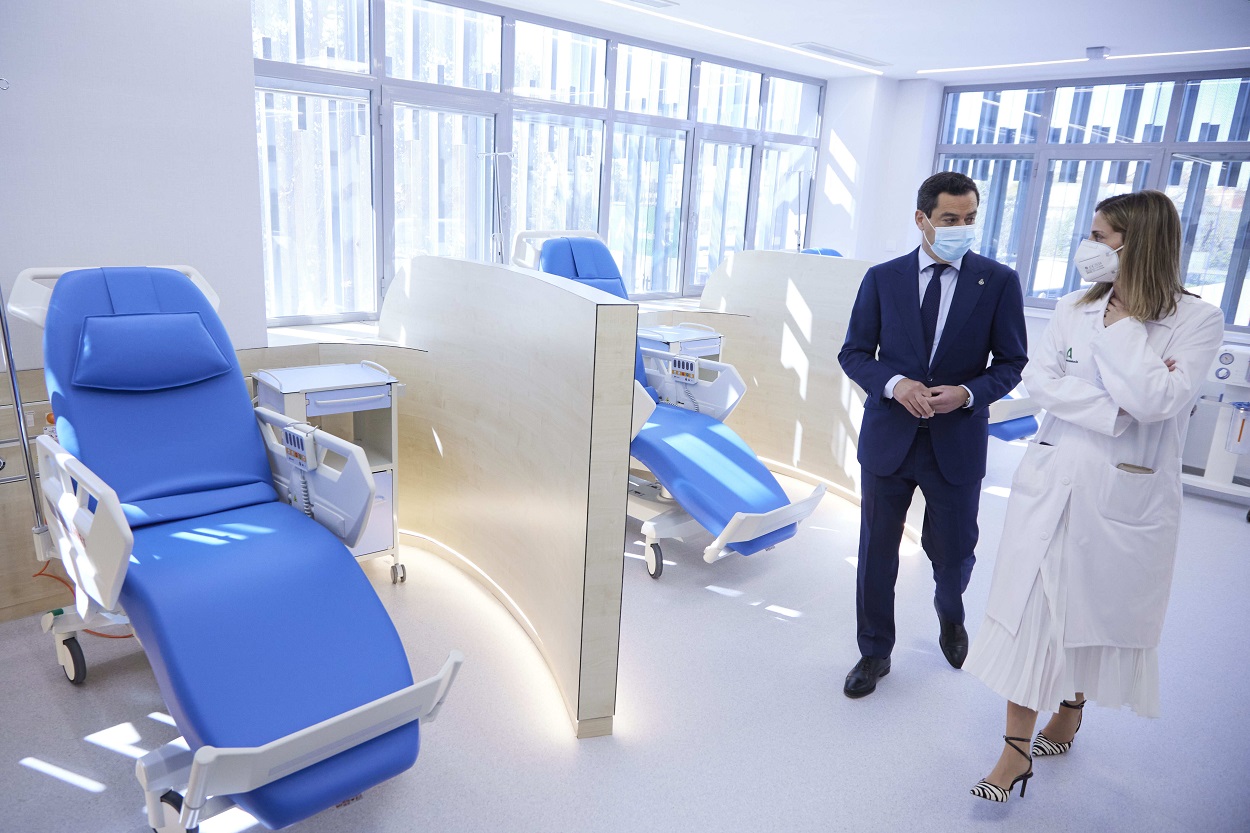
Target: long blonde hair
x,y
1150,262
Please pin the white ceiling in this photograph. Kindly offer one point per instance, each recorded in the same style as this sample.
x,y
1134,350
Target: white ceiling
x,y
922,34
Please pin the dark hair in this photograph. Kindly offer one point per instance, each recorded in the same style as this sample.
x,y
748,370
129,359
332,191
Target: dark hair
x,y
946,182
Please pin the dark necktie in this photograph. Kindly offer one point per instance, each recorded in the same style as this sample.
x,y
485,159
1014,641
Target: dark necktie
x,y
929,307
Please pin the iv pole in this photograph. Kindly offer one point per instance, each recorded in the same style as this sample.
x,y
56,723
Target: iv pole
x,y
40,529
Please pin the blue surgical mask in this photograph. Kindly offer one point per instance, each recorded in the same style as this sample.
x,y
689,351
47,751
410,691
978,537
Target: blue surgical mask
x,y
950,243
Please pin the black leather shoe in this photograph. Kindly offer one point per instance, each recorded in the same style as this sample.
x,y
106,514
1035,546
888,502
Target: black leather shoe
x,y
954,642
862,680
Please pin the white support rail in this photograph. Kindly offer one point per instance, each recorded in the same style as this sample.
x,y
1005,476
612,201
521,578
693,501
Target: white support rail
x,y
94,545
339,499
229,771
716,398
747,526
32,290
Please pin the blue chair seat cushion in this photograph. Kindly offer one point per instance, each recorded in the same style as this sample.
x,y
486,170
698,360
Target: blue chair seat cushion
x,y
258,622
1014,429
176,507
710,471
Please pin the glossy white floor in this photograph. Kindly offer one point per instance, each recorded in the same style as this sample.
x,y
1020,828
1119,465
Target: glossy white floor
x,y
730,714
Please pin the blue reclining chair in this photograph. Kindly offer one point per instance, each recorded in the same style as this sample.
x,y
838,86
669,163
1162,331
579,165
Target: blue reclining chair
x,y
821,250
1013,417
272,651
716,481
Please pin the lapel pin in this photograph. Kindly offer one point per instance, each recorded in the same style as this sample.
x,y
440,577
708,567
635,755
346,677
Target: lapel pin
x,y
981,282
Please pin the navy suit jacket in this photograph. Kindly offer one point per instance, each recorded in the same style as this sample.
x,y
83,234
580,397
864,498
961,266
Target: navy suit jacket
x,y
982,347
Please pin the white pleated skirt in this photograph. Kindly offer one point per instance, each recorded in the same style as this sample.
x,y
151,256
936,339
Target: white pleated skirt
x,y
1036,670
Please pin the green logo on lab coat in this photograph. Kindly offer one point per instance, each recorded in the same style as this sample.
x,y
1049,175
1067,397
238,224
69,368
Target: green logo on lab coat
x,y
1068,357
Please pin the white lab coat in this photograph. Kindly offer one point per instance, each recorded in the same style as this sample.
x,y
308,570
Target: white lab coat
x,y
1109,399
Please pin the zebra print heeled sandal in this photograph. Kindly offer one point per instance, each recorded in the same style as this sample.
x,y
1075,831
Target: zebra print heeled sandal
x,y
1044,746
993,792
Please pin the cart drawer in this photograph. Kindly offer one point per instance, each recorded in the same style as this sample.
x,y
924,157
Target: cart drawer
x,y
348,400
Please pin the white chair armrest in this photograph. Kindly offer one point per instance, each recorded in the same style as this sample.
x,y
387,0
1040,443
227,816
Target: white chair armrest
x,y
95,545
340,494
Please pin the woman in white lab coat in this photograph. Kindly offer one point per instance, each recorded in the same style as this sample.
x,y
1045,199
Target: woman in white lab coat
x,y
1084,567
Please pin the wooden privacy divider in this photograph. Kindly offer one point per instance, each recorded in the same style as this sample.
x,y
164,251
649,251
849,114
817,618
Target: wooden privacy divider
x,y
514,452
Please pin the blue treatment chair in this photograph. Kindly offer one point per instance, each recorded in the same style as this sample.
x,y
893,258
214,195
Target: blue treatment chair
x,y
822,251
272,651
706,476
1013,417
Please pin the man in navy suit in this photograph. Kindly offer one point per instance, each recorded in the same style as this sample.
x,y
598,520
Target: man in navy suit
x,y
935,337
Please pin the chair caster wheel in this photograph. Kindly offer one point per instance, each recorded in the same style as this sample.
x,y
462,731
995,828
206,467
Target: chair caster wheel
x,y
76,670
398,573
171,803
655,561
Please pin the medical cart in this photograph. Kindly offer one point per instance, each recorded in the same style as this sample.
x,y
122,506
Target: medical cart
x,y
358,403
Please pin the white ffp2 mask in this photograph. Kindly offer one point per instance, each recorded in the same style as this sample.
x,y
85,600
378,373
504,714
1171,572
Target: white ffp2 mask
x,y
1096,262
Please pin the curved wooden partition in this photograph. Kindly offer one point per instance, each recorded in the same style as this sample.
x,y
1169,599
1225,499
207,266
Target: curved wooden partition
x,y
514,453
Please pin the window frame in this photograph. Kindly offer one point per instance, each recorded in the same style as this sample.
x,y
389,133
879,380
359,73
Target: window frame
x,y
1043,152
385,91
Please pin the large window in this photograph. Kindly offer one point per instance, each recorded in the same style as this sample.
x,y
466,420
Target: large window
x,y
729,96
557,65
652,82
1043,157
389,129
785,184
333,34
443,44
318,239
556,164
1003,182
444,185
1211,192
721,209
648,169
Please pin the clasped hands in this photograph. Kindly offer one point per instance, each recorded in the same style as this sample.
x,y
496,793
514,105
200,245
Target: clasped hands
x,y
922,401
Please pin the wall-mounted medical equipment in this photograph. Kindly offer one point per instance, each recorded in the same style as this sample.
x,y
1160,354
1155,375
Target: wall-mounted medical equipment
x,y
1230,438
705,476
358,402
285,709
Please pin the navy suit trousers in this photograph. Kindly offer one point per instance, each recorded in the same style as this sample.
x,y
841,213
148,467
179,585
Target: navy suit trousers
x,y
949,537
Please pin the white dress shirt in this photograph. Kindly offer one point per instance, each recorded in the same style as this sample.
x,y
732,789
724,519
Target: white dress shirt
x,y
927,262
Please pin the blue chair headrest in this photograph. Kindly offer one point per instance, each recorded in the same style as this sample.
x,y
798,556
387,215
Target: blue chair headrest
x,y
585,260
140,370
822,251
148,352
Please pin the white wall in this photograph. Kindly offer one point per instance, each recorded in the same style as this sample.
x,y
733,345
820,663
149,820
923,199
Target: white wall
x,y
879,136
129,138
